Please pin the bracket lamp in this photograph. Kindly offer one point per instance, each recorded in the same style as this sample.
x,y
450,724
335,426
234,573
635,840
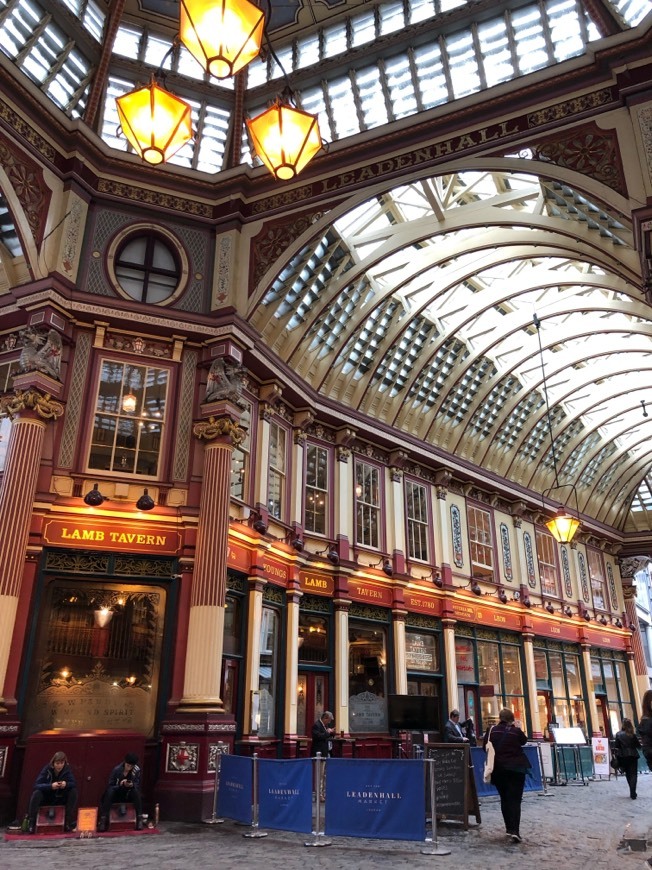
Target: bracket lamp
x,y
550,607
296,543
437,579
603,620
145,502
502,596
387,566
222,36
565,522
331,554
525,601
475,587
94,498
155,122
567,610
618,623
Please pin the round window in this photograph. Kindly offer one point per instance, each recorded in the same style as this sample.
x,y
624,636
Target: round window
x,y
147,268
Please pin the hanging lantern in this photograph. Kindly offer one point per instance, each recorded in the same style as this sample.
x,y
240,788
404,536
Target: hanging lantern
x,y
224,36
129,403
286,139
563,526
155,122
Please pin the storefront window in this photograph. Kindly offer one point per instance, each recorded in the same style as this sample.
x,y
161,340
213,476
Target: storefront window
x,y
313,639
367,674
316,509
559,687
612,689
421,652
267,673
232,626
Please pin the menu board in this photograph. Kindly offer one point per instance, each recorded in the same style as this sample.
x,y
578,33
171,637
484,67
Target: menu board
x,y
451,766
420,652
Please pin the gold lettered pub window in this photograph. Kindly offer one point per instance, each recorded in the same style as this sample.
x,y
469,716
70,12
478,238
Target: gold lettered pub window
x,y
97,658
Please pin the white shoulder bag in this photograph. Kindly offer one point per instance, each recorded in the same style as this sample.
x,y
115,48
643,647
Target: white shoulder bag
x,y
489,762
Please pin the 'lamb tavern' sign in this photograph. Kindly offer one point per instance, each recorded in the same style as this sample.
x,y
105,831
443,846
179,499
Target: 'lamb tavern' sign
x,y
98,535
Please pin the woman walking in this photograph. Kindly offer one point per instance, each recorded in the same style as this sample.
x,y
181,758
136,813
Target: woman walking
x,y
626,746
510,767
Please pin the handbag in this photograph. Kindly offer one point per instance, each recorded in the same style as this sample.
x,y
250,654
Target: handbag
x,y
489,761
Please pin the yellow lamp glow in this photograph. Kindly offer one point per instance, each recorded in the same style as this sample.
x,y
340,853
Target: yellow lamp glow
x,y
129,403
224,36
563,526
155,122
286,139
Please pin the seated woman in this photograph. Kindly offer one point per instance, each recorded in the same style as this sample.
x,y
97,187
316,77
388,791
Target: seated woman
x,y
123,788
55,785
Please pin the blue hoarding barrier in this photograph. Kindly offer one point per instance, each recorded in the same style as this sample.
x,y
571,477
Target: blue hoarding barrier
x,y
533,780
285,794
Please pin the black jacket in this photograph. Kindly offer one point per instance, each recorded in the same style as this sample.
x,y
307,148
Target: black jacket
x,y
508,742
452,734
47,776
645,733
322,741
118,774
626,745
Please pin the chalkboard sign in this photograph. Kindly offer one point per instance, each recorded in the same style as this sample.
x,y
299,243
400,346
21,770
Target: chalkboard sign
x,y
455,794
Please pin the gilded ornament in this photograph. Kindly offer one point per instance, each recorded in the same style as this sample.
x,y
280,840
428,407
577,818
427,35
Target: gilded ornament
x,y
223,428
32,400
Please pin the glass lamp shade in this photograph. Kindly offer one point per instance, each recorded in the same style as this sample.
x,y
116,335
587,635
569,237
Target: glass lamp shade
x,y
563,526
155,122
286,139
223,37
129,403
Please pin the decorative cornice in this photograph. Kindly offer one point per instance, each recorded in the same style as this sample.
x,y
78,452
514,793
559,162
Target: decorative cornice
x,y
42,404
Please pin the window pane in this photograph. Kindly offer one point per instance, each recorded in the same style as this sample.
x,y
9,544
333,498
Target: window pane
x,y
267,673
512,670
316,489
367,667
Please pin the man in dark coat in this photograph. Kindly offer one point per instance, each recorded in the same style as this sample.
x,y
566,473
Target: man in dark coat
x,y
322,741
123,788
452,730
55,785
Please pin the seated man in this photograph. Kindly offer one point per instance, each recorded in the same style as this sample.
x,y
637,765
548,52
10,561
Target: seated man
x,y
123,787
55,785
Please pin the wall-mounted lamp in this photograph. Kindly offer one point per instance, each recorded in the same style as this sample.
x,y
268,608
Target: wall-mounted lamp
x,y
331,554
567,610
502,596
145,502
603,620
550,607
565,522
525,601
618,623
387,566
102,617
475,587
586,615
437,579
296,543
94,498
632,626
258,524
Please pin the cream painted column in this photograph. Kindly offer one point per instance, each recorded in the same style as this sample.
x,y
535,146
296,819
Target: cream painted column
x,y
400,662
252,669
628,568
532,701
291,662
298,489
341,706
451,664
395,519
344,500
203,671
29,410
590,688
262,455
442,525
638,690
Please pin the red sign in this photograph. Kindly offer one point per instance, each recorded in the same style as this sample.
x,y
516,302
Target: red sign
x,y
485,615
361,591
102,535
238,557
603,638
320,584
560,630
422,603
275,572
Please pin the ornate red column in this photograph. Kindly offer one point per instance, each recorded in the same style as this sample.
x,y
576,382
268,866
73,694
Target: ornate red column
x,y
30,410
200,729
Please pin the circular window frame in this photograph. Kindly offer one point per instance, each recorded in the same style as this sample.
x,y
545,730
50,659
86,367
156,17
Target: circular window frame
x,y
131,233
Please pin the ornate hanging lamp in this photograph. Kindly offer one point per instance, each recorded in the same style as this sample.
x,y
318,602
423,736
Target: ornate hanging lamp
x,y
155,122
285,138
222,36
565,523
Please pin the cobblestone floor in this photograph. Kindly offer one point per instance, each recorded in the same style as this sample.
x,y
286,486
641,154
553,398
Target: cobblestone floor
x,y
576,828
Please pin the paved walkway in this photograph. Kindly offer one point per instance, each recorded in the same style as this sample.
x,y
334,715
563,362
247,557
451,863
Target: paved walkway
x,y
577,828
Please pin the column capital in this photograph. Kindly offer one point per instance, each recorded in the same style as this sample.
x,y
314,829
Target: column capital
x,y
223,428
32,402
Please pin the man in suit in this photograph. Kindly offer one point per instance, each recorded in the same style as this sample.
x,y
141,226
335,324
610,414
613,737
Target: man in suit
x,y
322,741
452,731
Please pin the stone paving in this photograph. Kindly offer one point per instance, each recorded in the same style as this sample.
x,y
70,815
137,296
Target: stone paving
x,y
576,828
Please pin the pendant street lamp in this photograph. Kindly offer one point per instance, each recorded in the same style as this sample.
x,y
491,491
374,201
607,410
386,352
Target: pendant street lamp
x,y
155,122
222,36
285,138
565,522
